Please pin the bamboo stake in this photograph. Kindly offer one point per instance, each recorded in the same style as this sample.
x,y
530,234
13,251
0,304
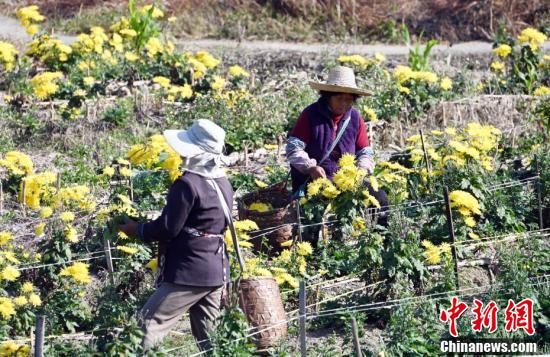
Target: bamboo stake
x,y
109,258
538,192
451,228
298,221
1,198
302,297
245,155
317,295
356,343
428,168
23,194
39,341
131,183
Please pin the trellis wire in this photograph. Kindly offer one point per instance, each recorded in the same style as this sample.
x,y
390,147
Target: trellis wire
x,y
446,293
85,257
372,306
391,304
391,209
481,239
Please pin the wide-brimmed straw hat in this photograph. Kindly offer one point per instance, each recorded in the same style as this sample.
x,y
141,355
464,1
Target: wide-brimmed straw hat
x,y
204,136
340,80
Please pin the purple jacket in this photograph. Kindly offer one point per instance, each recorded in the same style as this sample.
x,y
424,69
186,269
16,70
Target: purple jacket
x,y
323,131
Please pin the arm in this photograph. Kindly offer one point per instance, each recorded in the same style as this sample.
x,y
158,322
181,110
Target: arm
x,y
363,151
297,156
298,139
179,203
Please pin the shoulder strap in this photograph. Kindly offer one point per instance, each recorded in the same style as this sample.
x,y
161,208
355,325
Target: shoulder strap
x,y
338,137
301,190
229,219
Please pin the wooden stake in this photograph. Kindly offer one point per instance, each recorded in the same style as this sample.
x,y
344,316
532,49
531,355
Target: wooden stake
x,y
538,192
58,182
23,194
371,137
451,228
245,155
428,169
317,295
356,343
58,185
109,258
280,142
1,198
302,297
298,221
39,331
131,183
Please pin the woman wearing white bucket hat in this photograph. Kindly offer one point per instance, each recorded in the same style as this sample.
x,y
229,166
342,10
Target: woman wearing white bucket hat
x,y
326,130
194,266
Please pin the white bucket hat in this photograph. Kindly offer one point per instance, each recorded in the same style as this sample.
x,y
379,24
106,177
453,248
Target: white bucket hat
x,y
202,146
340,80
204,136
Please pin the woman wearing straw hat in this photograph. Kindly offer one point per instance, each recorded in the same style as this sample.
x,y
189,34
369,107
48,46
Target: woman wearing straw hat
x,y
194,268
329,128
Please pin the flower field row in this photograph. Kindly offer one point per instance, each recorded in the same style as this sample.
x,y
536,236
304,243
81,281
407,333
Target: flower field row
x,y
58,219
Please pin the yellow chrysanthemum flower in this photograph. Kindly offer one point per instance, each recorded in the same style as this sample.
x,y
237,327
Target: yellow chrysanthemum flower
x,y
71,234
27,287
260,207
497,66
9,273
503,50
446,83
541,91
153,265
5,237
7,309
34,299
39,230
20,301
238,71
260,183
127,250
370,114
44,84
465,200
431,252
67,216
78,271
304,248
532,37
162,81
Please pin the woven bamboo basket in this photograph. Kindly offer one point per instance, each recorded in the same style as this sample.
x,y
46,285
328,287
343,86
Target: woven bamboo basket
x,y
283,215
261,302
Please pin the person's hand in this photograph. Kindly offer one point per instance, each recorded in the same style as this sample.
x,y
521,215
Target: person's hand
x,y
316,172
130,227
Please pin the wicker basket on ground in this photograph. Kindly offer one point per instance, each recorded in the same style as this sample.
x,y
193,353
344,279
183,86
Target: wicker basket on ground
x,y
260,301
282,216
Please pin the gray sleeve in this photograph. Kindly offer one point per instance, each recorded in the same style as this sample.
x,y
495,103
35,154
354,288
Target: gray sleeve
x,y
365,159
297,156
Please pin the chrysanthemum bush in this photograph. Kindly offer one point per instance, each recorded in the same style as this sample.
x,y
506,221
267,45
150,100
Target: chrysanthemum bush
x,y
132,49
466,160
520,65
67,222
59,262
